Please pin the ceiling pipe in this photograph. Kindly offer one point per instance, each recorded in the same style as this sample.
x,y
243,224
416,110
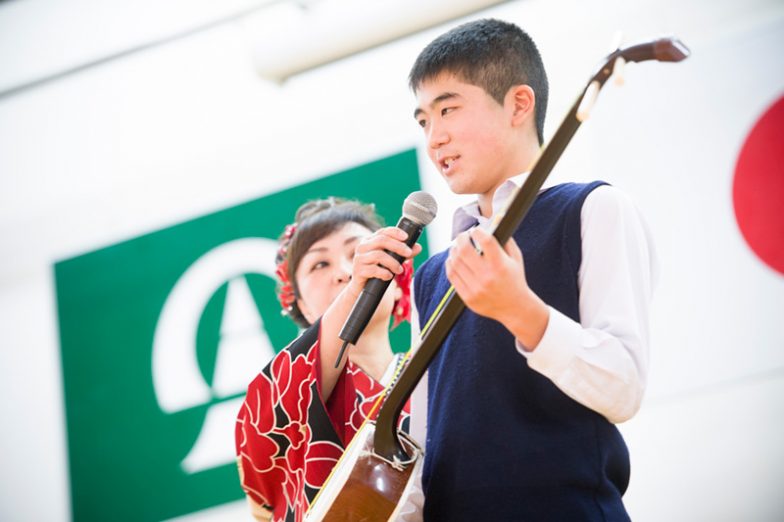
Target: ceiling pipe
x,y
288,38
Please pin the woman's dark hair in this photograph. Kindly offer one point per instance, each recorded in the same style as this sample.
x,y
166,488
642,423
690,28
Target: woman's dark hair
x,y
491,54
316,220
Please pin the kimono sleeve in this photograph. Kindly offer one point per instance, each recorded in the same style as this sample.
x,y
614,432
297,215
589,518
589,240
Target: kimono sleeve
x,y
282,451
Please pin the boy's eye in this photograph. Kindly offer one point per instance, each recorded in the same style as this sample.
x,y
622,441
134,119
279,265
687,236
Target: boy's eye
x,y
422,123
446,110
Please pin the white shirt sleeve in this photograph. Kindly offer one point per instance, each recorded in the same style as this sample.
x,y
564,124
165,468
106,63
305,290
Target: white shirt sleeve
x,y
602,362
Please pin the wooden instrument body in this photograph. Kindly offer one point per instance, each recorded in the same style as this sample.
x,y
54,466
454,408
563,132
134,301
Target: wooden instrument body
x,y
365,486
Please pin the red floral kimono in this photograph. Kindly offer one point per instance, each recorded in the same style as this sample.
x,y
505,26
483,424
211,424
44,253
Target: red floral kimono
x,y
288,439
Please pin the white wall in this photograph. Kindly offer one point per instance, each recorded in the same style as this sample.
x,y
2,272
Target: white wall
x,y
185,128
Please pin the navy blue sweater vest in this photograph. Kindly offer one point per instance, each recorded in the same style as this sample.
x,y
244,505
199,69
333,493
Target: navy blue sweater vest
x,y
503,442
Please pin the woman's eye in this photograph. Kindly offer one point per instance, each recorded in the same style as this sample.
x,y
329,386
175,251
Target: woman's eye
x,y
422,123
446,110
319,265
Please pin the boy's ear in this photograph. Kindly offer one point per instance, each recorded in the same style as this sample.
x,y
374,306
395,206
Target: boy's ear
x,y
523,100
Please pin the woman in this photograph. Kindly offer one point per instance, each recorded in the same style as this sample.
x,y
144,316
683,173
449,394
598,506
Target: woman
x,y
300,412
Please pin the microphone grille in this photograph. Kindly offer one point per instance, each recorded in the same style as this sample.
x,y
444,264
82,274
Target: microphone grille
x,y
420,207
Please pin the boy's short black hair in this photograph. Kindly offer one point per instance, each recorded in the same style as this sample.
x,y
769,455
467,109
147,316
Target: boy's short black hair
x,y
491,54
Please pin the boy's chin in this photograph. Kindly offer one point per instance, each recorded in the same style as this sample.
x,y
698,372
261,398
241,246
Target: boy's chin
x,y
461,188
457,186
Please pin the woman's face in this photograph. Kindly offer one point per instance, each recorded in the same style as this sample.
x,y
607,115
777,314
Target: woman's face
x,y
325,269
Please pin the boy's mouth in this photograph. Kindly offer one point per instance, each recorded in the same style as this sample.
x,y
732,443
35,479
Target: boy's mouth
x,y
447,163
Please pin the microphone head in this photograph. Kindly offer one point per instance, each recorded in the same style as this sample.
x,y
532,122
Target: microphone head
x,y
420,207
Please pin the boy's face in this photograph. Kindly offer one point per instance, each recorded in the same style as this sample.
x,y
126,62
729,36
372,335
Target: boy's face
x,y
469,135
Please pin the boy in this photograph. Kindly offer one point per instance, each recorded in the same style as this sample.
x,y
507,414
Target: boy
x,y
517,409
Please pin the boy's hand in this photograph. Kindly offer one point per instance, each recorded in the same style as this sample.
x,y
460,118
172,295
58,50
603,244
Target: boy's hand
x,y
493,284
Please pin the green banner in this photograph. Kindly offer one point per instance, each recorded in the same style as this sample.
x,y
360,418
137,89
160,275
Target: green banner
x,y
161,334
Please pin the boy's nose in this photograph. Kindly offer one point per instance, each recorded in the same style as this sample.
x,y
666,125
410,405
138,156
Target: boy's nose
x,y
438,136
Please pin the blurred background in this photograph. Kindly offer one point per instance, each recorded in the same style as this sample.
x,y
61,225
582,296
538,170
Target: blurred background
x,y
151,153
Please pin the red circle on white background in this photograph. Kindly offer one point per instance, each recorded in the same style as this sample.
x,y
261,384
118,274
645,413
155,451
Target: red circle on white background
x,y
758,187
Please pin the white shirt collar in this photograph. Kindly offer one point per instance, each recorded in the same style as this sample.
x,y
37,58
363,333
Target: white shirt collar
x,y
468,215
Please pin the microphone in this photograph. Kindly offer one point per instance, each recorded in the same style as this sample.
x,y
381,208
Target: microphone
x,y
419,209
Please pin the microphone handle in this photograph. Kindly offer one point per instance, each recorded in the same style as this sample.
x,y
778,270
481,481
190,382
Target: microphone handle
x,y
371,295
